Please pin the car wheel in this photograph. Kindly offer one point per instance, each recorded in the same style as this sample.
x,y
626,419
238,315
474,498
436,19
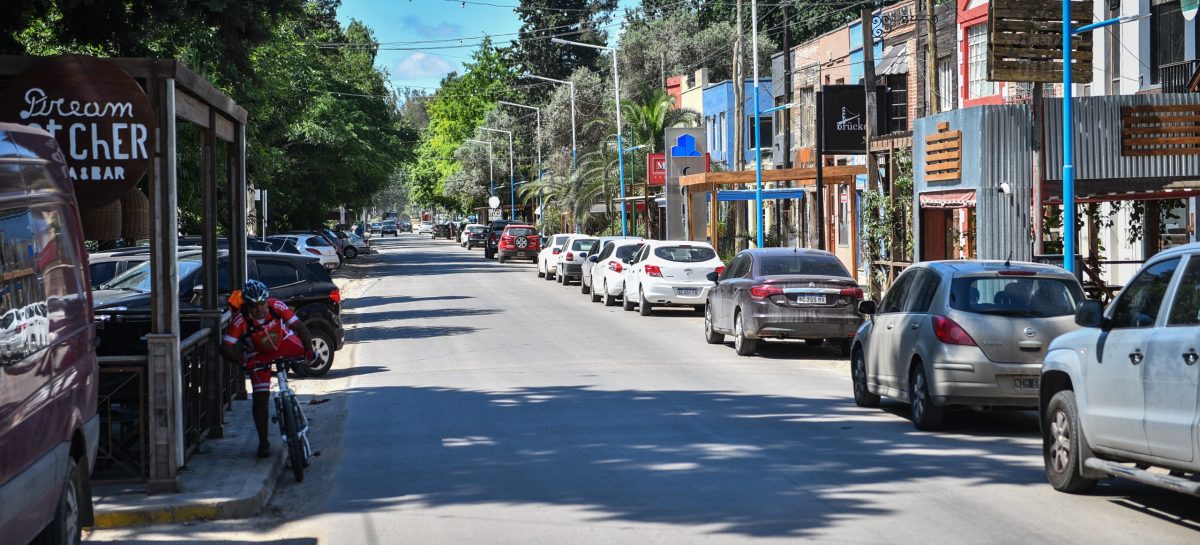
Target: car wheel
x,y
65,528
540,273
925,415
609,300
858,375
487,254
551,277
501,258
596,293
562,278
323,346
626,301
1062,441
644,307
351,252
744,345
583,287
710,335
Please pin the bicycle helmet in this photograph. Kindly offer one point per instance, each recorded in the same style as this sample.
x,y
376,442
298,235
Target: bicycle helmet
x,y
254,292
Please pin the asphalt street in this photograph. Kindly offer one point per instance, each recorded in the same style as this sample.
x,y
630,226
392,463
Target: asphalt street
x,y
486,405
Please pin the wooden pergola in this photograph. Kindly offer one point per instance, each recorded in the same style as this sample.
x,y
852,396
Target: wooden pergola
x,y
711,183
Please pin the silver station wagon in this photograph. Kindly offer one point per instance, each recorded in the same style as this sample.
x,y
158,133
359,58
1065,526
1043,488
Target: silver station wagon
x,y
962,334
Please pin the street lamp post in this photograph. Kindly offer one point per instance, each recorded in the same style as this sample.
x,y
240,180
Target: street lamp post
x,y
512,173
491,166
574,158
539,139
617,96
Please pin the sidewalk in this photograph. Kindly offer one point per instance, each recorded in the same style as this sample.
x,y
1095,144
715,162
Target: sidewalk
x,y
224,480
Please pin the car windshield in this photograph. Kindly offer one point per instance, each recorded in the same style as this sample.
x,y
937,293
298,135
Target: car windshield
x,y
138,278
560,240
626,252
777,265
583,244
1027,296
685,254
521,231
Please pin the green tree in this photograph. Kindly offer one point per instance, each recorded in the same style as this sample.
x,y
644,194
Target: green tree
x,y
577,20
647,118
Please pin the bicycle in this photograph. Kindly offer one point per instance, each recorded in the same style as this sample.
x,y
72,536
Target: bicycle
x,y
293,425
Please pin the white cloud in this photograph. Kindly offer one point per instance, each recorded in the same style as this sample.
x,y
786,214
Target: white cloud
x,y
422,65
442,29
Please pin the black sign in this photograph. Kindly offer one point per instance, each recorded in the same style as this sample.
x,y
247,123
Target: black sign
x,y
843,118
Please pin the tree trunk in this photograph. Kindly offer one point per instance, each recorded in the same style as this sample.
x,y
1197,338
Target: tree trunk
x,y
737,209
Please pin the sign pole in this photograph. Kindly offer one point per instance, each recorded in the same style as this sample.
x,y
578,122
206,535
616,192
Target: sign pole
x,y
819,201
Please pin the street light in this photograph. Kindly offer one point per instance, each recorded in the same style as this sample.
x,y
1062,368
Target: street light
x,y
573,109
512,174
539,138
617,96
1068,187
491,165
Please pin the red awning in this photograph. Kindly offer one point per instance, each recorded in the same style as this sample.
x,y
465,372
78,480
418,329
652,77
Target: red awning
x,y
963,198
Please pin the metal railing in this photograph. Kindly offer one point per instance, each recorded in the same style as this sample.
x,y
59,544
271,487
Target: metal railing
x,y
1175,77
121,455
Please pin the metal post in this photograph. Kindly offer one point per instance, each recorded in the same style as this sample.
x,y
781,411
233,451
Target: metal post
x,y
819,152
758,200
512,180
1068,189
620,143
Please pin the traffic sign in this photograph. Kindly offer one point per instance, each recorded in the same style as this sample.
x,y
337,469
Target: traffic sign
x,y
494,202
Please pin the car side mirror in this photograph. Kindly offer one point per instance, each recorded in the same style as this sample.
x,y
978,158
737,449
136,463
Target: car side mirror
x,y
594,259
1090,314
583,255
713,277
867,308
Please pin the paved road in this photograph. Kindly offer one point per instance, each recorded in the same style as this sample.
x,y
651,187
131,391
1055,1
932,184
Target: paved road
x,y
490,406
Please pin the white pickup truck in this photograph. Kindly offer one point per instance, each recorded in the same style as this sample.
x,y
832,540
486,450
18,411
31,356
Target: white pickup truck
x,y
1120,397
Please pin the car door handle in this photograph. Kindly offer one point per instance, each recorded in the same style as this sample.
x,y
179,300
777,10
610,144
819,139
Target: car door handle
x,y
1190,357
891,325
915,327
1135,357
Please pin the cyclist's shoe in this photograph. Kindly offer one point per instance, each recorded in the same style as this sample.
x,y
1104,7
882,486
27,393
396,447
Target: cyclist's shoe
x,y
264,450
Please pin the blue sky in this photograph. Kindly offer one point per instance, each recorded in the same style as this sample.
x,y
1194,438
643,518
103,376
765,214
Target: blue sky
x,y
427,20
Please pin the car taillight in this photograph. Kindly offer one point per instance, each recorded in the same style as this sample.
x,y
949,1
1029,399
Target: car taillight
x,y
1017,273
313,251
653,270
856,293
336,296
764,291
570,257
720,270
949,332
614,266
556,251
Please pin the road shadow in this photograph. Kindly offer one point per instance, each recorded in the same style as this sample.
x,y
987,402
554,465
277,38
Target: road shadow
x,y
753,465
384,332
390,315
377,300
355,371
185,533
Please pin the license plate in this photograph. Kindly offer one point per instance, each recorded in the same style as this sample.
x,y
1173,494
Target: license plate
x,y
810,299
1026,383
687,292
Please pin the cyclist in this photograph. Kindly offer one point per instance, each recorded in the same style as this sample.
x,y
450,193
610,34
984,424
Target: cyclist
x,y
261,330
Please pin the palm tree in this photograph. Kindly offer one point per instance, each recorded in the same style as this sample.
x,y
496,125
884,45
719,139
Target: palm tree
x,y
571,194
648,118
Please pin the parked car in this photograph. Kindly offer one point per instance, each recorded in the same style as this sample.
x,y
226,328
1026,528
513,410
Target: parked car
x,y
464,235
49,423
425,228
376,227
519,242
607,267
222,243
586,283
104,266
388,227
669,273
575,250
495,228
354,244
297,280
331,237
404,226
315,245
283,244
474,235
548,257
962,334
441,230
1119,396
782,293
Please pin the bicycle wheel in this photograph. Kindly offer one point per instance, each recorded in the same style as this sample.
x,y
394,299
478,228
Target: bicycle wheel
x,y
295,447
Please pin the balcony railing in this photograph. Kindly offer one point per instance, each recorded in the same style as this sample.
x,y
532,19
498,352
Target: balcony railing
x,y
1176,76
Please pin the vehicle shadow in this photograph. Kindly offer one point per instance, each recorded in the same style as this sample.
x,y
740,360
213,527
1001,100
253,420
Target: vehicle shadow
x,y
185,533
355,371
750,465
384,316
382,332
377,300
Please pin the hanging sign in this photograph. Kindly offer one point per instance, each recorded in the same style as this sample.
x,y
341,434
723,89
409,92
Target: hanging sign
x,y
99,115
1189,8
656,169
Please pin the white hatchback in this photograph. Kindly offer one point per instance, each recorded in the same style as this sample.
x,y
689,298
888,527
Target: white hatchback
x,y
607,278
316,246
669,273
548,258
465,235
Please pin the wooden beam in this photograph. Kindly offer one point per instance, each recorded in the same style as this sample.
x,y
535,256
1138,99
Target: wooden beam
x,y
770,175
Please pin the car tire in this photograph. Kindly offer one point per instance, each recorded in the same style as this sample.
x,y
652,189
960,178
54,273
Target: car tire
x,y
487,254
925,415
351,252
562,278
626,302
858,376
710,335
325,348
66,527
609,300
644,307
743,345
551,277
540,273
501,259
583,287
596,297
1062,445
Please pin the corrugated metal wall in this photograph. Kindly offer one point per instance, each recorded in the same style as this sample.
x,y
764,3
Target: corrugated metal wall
x,y
1098,141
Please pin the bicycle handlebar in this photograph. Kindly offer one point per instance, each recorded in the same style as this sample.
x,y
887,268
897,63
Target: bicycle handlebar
x,y
287,363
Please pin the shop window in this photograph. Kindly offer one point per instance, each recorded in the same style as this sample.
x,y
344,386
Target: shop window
x,y
898,87
945,84
979,86
766,135
1166,35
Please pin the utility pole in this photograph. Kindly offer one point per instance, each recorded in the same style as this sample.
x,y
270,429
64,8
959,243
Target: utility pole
x,y
871,114
786,114
737,209
933,88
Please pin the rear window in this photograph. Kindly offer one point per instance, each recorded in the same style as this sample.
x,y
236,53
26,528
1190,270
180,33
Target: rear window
x,y
685,254
583,244
102,272
1015,296
316,241
477,229
560,240
777,265
522,231
626,252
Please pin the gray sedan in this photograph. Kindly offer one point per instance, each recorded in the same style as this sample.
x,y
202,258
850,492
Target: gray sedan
x,y
782,293
962,333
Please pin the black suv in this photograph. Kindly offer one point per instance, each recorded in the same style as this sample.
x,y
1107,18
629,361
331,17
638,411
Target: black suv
x,y
441,230
123,305
495,228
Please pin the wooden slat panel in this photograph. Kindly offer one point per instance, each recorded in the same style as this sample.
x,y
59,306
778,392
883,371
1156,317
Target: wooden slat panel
x,y
952,155
952,144
948,166
943,177
943,137
1126,110
1193,129
1133,152
1025,40
1158,119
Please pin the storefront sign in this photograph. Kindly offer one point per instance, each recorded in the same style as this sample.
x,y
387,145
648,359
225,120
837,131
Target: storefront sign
x,y
685,155
656,169
843,126
99,115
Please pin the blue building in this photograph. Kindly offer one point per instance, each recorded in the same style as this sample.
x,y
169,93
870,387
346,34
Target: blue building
x,y
719,122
